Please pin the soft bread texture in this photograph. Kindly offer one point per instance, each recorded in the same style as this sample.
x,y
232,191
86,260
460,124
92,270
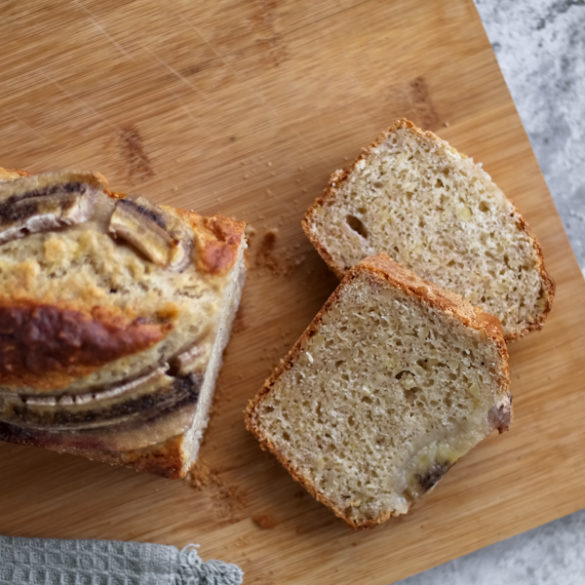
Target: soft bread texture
x,y
108,351
392,382
432,209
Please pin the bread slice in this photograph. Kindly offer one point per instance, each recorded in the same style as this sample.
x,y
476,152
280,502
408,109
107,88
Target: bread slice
x,y
438,213
392,382
114,313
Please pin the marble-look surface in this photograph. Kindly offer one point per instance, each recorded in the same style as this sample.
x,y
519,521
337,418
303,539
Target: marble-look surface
x,y
540,46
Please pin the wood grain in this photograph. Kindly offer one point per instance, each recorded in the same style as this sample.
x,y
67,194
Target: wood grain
x,y
245,108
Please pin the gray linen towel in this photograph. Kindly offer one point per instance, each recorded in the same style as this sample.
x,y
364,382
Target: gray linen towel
x,y
44,561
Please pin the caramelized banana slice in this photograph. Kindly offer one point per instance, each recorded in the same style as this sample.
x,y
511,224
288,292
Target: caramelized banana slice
x,y
158,235
140,398
43,202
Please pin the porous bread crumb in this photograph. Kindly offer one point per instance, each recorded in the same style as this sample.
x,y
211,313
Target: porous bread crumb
x,y
438,213
382,394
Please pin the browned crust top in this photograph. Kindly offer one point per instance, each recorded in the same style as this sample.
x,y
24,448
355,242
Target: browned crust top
x,y
339,176
47,345
383,268
217,239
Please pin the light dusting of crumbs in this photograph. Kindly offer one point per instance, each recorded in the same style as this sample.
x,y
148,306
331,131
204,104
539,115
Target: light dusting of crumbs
x,y
264,522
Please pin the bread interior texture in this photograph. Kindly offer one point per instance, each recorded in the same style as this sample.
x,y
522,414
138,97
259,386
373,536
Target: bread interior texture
x,y
438,213
382,399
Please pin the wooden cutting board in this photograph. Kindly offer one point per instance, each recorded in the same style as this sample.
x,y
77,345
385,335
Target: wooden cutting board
x,y
245,108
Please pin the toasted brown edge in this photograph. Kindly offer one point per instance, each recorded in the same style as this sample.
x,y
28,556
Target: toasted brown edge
x,y
384,268
217,239
547,283
339,176
83,341
165,458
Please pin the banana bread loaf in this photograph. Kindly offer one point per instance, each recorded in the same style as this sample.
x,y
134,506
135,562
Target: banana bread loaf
x,y
114,313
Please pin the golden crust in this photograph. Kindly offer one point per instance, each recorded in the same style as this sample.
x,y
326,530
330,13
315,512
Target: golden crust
x,y
218,239
9,174
165,459
48,345
383,268
62,342
547,283
340,176
443,300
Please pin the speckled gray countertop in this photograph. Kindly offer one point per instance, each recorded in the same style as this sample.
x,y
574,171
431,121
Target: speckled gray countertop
x,y
540,46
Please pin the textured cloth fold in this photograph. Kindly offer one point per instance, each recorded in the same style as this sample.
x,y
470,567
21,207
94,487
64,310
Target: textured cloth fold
x,y
42,561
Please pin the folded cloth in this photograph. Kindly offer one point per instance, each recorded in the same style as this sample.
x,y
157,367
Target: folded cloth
x,y
44,561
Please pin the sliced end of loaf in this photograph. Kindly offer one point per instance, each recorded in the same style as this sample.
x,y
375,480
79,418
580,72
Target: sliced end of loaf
x,y
392,382
159,424
411,195
231,301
